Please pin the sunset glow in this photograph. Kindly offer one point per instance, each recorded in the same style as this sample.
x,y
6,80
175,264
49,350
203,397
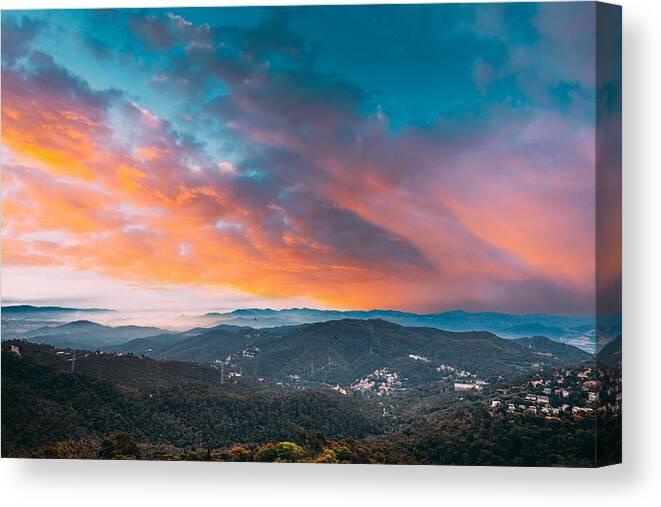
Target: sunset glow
x,y
245,157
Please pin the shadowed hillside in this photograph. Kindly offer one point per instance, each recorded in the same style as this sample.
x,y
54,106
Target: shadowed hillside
x,y
179,403
345,351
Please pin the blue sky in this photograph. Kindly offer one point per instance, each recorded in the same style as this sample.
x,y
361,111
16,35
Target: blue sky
x,y
420,157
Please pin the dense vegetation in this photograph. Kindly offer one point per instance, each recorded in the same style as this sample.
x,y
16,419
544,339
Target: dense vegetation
x,y
463,438
545,346
126,407
611,354
43,402
346,350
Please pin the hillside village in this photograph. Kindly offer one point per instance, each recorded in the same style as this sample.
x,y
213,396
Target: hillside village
x,y
576,392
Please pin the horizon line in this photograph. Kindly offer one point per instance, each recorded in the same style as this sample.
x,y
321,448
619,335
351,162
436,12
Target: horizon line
x,y
372,310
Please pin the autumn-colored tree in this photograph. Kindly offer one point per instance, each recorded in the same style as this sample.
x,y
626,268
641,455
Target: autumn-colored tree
x,y
282,452
327,456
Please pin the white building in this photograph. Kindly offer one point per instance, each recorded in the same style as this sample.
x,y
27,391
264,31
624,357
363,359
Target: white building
x,y
463,386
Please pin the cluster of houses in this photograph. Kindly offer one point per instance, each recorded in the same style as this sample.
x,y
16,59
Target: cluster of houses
x,y
577,392
456,373
381,381
463,380
475,384
611,391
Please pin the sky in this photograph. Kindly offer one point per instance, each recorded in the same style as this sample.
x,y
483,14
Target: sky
x,y
419,158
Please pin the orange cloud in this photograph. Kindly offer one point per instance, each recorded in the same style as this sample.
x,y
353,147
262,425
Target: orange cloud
x,y
405,220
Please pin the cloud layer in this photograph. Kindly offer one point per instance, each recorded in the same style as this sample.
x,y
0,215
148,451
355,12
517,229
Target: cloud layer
x,y
239,163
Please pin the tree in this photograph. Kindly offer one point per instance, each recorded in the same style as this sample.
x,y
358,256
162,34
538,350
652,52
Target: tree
x,y
343,453
119,445
282,452
328,456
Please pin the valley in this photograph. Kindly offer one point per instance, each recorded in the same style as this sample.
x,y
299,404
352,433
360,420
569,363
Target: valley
x,y
228,392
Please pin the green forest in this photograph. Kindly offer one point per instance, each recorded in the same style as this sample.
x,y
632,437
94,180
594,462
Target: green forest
x,y
130,407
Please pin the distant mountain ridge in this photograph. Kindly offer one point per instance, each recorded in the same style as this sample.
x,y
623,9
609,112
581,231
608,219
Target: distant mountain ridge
x,y
11,309
533,329
578,331
19,319
88,335
575,330
456,317
545,346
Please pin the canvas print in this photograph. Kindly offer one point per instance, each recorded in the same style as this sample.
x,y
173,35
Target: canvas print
x,y
384,234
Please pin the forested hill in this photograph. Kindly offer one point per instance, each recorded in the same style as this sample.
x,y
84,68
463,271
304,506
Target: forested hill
x,y
66,404
344,351
561,351
611,353
159,402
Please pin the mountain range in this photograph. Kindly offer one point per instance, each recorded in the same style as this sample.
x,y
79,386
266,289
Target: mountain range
x,y
574,330
19,319
27,309
456,320
88,335
345,351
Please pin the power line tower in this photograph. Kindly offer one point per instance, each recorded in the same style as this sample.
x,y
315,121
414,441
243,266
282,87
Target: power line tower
x,y
73,360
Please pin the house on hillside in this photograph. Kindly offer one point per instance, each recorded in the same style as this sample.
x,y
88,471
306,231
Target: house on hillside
x,y
467,386
544,400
